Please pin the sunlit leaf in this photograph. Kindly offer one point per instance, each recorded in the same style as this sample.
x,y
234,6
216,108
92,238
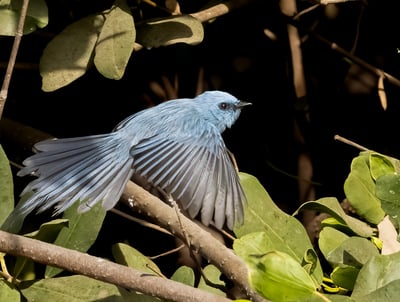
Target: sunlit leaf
x,y
9,23
329,240
338,225
354,251
213,274
279,277
6,187
69,54
116,41
8,293
388,191
379,279
170,30
359,188
345,276
331,206
36,17
282,231
380,165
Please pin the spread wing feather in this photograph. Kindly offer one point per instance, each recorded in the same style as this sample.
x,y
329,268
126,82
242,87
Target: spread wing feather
x,y
85,168
197,171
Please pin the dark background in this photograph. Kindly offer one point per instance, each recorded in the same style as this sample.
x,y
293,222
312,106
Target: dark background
x,y
236,56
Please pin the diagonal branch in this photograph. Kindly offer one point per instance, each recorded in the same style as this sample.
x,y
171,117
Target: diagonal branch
x,y
102,269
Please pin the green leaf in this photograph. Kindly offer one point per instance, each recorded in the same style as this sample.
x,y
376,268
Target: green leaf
x,y
213,274
72,289
340,226
331,206
279,277
345,276
380,165
8,293
69,54
338,298
329,240
9,17
24,268
388,191
48,231
379,279
170,30
258,243
15,220
282,231
37,10
116,42
81,233
359,188
129,256
6,186
185,275
354,251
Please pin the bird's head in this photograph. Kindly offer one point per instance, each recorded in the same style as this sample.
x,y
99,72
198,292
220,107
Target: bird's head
x,y
219,108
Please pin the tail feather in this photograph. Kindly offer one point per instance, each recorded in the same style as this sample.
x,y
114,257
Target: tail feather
x,y
88,169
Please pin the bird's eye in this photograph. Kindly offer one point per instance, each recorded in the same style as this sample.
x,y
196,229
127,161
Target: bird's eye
x,y
223,106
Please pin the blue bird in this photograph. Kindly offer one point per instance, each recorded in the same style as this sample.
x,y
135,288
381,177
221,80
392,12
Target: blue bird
x,y
176,146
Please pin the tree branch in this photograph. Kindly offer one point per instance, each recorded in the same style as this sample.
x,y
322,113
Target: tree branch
x,y
200,240
102,269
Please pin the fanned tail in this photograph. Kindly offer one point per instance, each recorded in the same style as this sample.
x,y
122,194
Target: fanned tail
x,y
88,169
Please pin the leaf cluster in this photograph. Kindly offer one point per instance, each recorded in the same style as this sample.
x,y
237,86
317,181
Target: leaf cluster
x,y
361,248
104,40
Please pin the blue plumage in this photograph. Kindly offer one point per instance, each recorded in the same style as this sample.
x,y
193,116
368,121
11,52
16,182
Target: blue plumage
x,y
177,146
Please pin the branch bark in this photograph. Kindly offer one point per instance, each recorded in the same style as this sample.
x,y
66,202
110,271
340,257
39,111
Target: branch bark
x,y
102,269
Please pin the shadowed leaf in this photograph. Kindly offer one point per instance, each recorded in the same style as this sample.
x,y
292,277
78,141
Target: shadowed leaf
x,y
170,30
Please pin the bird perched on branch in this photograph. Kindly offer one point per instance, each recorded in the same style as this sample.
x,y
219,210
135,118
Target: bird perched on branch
x,y
176,146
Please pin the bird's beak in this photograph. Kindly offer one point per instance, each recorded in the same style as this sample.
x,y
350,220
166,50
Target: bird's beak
x,y
242,104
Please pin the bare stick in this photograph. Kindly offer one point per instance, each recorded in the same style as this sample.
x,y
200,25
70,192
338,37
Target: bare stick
x,y
349,142
13,56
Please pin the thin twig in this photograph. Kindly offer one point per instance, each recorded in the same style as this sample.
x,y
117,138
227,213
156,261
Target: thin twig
x,y
140,221
351,143
13,56
177,249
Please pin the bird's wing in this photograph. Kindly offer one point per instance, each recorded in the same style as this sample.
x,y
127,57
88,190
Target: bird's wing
x,y
197,171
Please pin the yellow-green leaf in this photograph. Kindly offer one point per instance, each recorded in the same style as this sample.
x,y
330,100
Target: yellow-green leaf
x,y
129,256
359,188
279,277
116,41
6,187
